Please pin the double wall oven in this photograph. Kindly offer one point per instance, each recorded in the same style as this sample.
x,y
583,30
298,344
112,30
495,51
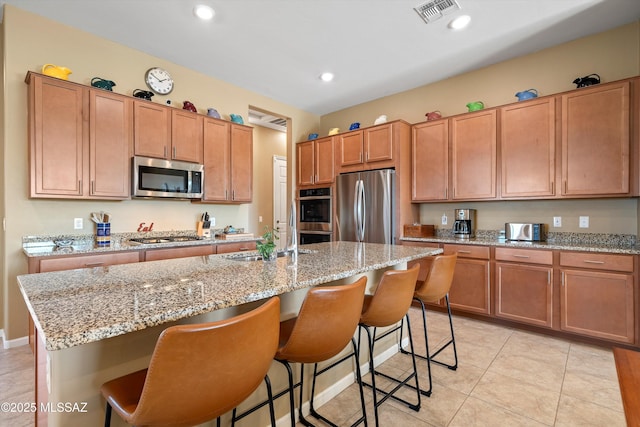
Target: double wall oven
x,y
315,210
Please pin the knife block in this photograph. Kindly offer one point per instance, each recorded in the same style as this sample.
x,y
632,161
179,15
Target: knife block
x,y
203,232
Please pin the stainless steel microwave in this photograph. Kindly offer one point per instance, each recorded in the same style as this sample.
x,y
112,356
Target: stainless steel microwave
x,y
166,178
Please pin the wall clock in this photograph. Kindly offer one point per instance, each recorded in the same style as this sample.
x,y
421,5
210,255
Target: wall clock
x,y
159,80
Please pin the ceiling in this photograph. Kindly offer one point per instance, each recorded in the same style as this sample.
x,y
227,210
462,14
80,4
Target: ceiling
x,y
279,48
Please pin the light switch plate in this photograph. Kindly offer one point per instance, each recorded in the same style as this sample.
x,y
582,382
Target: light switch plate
x,y
557,221
77,223
584,222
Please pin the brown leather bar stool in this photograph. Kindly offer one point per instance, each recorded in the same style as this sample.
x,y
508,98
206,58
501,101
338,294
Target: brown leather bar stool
x,y
325,325
389,306
198,372
433,288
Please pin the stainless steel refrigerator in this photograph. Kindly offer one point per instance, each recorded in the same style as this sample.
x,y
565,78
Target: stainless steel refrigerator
x,y
365,206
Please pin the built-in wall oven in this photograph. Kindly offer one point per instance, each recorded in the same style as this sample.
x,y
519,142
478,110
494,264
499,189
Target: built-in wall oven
x,y
315,209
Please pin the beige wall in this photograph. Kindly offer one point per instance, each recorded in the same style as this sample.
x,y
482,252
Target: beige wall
x,y
613,55
271,143
30,42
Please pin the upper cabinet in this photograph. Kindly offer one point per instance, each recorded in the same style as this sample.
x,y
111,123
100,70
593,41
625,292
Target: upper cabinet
x,y
186,136
595,141
228,162
473,156
430,161
571,145
370,148
167,133
79,140
315,160
528,153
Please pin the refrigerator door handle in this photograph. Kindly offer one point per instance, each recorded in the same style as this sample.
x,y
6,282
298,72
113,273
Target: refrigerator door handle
x,y
363,210
356,209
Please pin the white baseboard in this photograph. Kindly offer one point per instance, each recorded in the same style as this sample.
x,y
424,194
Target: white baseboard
x,y
13,343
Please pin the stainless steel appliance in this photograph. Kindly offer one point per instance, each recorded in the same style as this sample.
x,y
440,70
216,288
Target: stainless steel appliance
x,y
315,207
464,225
365,206
528,231
166,178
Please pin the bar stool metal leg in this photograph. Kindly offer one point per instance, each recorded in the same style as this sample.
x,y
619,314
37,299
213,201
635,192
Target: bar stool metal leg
x,y
372,338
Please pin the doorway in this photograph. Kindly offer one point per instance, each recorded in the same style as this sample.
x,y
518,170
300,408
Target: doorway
x,y
280,211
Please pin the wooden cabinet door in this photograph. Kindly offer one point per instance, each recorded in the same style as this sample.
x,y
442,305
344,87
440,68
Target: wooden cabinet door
x,y
152,129
110,141
524,293
473,156
595,141
216,160
527,144
182,252
87,261
350,149
186,136
305,160
470,287
378,144
430,161
225,248
56,137
241,163
324,156
597,304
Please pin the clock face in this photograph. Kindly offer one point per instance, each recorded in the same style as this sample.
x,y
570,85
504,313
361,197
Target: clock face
x,y
159,80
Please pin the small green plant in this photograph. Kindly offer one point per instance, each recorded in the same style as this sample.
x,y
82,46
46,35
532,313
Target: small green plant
x,y
267,246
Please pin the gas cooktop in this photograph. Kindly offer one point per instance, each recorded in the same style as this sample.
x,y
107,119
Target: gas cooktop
x,y
164,239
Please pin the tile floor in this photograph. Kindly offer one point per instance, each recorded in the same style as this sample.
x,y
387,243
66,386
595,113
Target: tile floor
x,y
506,377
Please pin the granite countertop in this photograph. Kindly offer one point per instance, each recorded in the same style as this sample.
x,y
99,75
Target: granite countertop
x,y
43,246
80,306
604,243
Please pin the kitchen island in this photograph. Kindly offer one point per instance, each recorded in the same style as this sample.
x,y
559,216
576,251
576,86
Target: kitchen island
x,y
95,324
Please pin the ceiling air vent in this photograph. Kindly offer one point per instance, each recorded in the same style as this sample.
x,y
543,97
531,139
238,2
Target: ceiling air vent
x,y
434,9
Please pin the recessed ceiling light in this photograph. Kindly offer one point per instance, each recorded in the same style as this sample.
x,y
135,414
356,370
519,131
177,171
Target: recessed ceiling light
x,y
204,12
326,77
460,22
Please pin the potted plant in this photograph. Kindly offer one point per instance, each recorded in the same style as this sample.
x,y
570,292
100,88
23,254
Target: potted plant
x,y
267,246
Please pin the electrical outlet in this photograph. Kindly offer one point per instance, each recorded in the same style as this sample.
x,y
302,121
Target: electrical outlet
x,y
444,219
584,222
557,221
260,218
213,221
77,223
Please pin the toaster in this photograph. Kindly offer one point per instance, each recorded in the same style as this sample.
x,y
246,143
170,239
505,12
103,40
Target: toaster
x,y
525,231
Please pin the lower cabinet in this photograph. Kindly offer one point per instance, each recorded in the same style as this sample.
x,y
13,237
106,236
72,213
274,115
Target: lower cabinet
x,y
84,261
597,295
225,248
524,286
470,290
180,252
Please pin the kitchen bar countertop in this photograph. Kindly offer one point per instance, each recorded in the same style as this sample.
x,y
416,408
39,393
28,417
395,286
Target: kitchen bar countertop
x,y
80,306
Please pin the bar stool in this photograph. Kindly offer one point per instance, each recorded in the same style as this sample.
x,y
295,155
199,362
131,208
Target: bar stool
x,y
389,306
435,287
199,372
327,321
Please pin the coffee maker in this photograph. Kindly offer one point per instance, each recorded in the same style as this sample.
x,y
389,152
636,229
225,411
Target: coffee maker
x,y
464,226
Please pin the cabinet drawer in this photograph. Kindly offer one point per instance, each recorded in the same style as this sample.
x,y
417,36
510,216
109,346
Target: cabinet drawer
x,y
529,256
226,248
170,253
468,251
87,261
597,261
